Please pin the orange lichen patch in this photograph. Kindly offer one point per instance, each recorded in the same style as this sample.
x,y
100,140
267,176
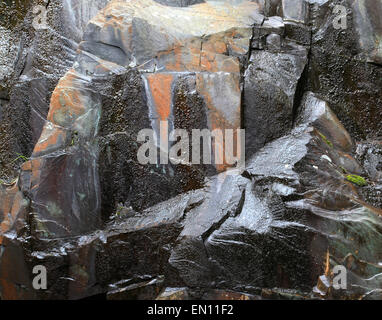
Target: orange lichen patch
x,y
195,60
160,86
176,63
26,166
181,58
50,139
327,264
17,206
113,22
67,102
212,62
161,90
12,204
218,25
200,55
236,40
208,61
217,120
6,200
236,48
230,64
34,167
216,45
113,14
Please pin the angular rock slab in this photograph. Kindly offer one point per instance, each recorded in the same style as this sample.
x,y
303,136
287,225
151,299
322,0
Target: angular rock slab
x,y
271,82
62,177
14,209
190,258
274,228
367,14
213,37
299,210
295,10
15,280
337,69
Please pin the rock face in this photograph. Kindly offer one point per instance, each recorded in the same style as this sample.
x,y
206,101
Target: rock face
x,y
75,198
369,30
166,52
269,116
338,72
36,56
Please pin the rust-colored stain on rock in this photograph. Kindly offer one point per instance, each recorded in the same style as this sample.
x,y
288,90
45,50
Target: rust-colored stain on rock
x,y
160,86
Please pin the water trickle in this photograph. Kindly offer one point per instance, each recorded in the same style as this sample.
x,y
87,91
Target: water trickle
x,y
77,13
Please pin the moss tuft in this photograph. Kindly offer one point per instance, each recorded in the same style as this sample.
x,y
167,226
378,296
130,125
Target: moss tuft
x,y
343,170
326,140
20,157
358,180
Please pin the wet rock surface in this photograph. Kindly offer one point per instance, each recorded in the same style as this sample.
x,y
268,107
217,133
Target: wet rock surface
x,y
268,117
75,199
339,71
37,54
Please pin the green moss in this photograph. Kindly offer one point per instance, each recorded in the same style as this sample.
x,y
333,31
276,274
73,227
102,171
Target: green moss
x,y
74,138
326,140
343,169
20,157
41,228
358,180
54,209
120,211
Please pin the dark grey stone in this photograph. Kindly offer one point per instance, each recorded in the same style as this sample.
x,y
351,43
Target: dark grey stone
x,y
271,81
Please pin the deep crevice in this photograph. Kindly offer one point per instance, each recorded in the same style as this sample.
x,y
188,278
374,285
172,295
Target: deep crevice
x,y
302,84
